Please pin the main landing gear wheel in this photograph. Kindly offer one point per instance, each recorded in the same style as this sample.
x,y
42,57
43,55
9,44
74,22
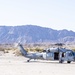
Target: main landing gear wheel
x,y
68,61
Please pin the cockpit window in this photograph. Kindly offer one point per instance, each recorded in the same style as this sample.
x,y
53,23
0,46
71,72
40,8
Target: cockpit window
x,y
73,53
70,53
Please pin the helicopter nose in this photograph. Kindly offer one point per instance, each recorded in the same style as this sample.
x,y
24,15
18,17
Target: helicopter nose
x,y
74,56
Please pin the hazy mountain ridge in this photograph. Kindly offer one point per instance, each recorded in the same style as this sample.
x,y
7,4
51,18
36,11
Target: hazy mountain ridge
x,y
32,34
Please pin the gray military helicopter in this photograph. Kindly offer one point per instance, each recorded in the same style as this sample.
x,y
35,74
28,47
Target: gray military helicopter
x,y
60,54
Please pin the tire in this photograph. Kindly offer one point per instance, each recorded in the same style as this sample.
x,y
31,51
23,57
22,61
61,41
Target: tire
x,y
68,61
27,60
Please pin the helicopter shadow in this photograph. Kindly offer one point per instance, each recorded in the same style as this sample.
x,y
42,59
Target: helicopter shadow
x,y
48,62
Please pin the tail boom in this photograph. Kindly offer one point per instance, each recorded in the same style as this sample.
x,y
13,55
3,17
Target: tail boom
x,y
23,51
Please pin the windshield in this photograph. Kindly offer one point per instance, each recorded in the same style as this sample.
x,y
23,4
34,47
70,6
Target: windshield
x,y
70,53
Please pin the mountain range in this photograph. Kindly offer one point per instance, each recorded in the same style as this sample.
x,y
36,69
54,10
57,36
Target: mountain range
x,y
34,34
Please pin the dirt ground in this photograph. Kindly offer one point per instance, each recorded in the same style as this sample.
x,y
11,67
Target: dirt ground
x,y
17,65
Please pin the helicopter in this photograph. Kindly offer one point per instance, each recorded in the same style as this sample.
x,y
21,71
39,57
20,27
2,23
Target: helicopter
x,y
60,54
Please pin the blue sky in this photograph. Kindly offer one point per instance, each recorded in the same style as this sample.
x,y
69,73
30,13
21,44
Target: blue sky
x,y
56,14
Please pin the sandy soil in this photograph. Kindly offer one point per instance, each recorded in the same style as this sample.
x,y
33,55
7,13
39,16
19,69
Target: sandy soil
x,y
17,65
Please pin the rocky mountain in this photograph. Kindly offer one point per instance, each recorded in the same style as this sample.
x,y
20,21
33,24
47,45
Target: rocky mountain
x,y
33,34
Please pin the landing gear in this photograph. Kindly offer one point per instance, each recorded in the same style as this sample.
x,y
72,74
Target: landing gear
x,y
61,61
68,61
28,60
60,57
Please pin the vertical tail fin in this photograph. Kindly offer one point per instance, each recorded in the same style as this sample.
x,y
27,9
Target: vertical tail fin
x,y
23,51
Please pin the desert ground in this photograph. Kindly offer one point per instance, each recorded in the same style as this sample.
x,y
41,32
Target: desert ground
x,y
13,63
17,65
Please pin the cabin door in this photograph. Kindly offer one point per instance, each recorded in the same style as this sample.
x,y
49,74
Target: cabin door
x,y
56,56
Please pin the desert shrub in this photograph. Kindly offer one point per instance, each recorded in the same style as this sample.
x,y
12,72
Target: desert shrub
x,y
73,49
6,51
1,49
17,53
31,49
38,49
